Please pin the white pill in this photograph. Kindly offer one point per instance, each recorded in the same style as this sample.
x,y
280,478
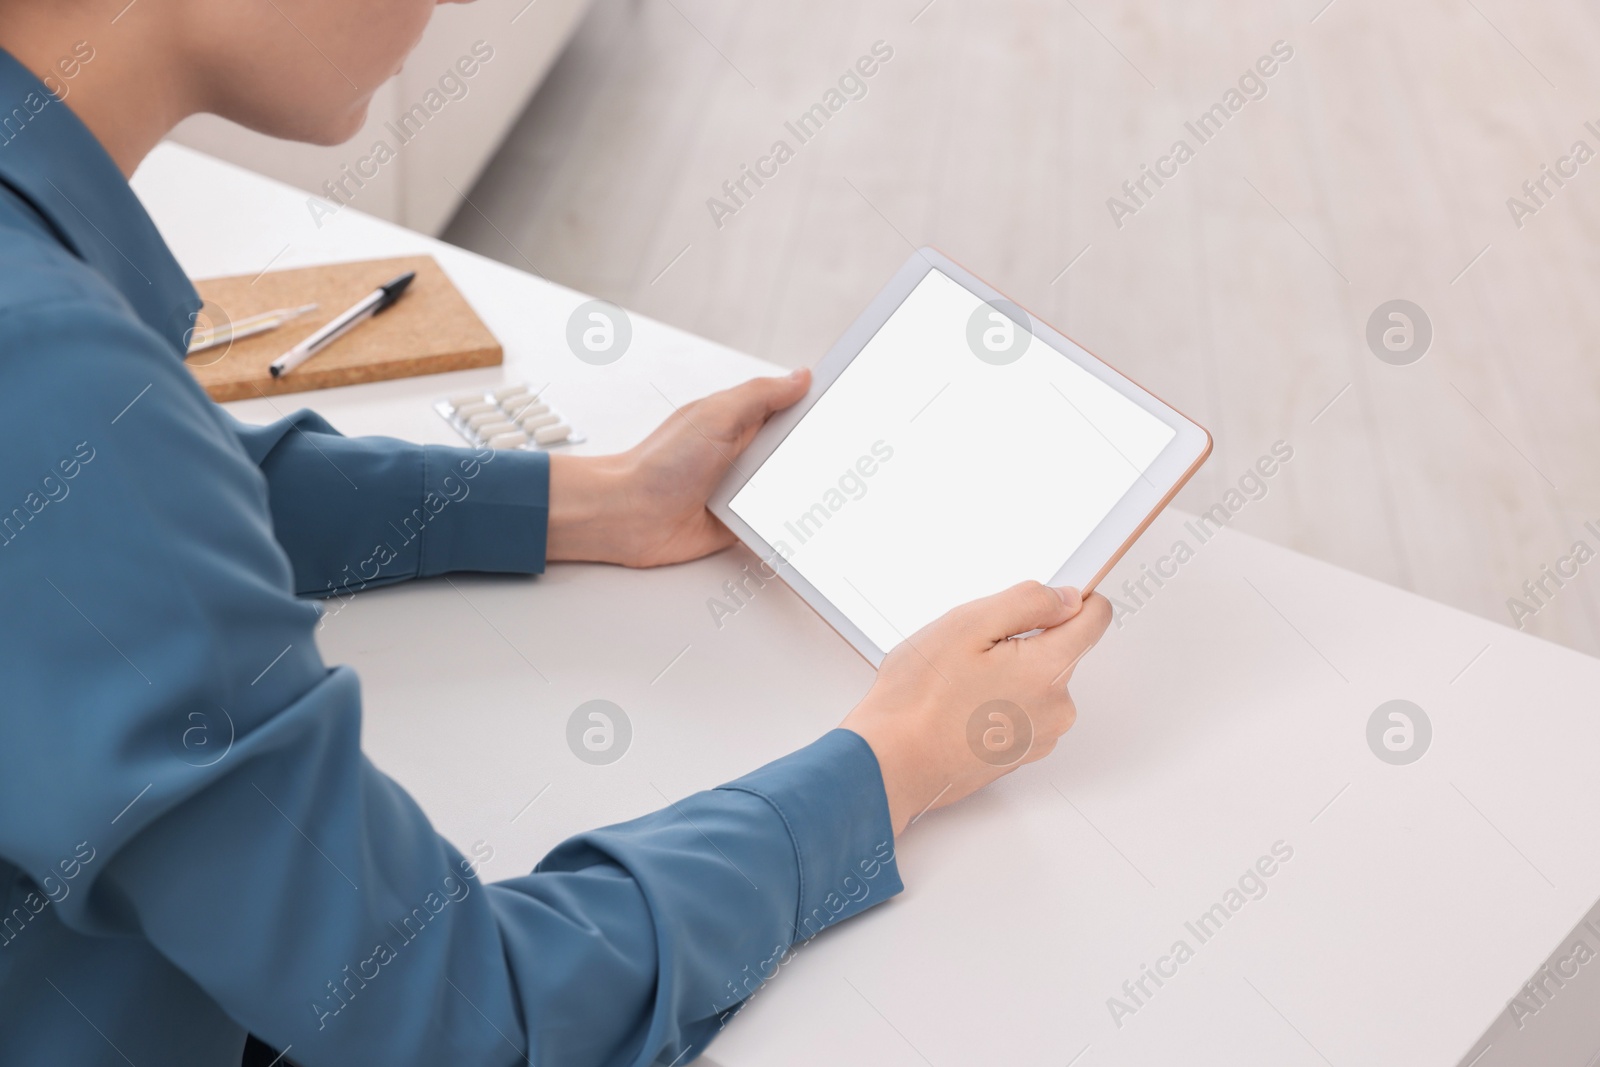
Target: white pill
x,y
513,402
510,390
508,440
524,405
484,418
549,435
461,400
533,422
495,429
466,411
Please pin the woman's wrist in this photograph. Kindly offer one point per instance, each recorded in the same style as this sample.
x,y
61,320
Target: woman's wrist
x,y
898,789
589,514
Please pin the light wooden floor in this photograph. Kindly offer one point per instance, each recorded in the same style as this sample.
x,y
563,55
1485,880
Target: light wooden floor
x,y
1378,166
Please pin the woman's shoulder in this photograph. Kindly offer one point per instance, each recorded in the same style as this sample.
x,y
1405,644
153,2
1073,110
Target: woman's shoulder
x,y
38,271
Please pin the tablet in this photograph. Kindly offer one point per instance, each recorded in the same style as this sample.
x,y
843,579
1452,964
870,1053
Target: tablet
x,y
950,446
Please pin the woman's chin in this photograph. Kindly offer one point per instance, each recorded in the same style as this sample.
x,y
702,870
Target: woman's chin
x,y
337,129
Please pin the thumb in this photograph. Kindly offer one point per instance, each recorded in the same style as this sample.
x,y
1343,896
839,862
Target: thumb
x,y
754,401
1025,606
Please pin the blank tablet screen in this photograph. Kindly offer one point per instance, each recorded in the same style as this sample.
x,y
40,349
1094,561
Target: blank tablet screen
x,y
925,476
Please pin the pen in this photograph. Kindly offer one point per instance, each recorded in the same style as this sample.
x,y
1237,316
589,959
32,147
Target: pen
x,y
374,302
203,339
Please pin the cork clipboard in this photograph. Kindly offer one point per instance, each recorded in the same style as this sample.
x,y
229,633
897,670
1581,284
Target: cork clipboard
x,y
430,330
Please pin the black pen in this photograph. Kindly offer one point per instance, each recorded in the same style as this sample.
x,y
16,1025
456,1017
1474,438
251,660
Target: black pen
x,y
371,304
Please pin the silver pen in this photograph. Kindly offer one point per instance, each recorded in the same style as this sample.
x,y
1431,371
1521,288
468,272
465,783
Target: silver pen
x,y
380,299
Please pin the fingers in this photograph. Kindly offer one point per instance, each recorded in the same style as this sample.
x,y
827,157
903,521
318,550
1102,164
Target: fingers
x,y
1025,606
721,537
1062,646
1050,718
1038,751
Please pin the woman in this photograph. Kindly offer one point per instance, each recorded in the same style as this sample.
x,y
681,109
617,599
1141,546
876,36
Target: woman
x,y
153,552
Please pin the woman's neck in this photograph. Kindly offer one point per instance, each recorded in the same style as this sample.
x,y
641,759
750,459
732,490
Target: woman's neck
x,y
114,71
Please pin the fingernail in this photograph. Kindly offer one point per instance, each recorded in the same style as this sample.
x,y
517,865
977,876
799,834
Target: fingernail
x,y
1070,597
796,375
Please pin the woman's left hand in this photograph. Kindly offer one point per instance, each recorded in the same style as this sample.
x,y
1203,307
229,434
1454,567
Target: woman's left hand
x,y
647,506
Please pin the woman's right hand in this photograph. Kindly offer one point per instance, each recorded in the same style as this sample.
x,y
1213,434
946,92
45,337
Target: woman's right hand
x,y
962,702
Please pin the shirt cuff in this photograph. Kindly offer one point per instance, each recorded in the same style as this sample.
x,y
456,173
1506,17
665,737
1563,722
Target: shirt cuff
x,y
830,796
491,510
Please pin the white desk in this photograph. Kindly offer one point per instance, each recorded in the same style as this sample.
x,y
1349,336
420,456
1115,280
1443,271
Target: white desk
x,y
1227,716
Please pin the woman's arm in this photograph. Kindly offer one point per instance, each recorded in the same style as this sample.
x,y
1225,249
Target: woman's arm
x,y
356,512
168,706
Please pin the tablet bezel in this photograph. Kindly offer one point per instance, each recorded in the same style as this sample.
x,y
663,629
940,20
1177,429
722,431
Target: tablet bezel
x,y
1099,552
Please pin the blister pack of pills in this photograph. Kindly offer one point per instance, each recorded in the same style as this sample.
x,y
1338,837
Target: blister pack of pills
x,y
512,416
